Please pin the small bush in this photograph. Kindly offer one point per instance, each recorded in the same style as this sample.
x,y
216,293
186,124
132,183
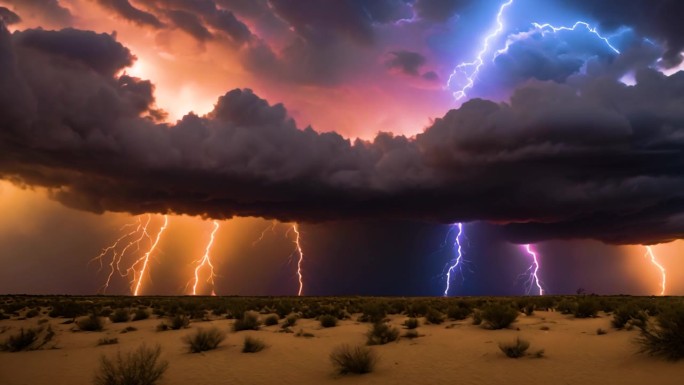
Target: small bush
x,y
544,328
91,323
328,321
290,321
128,329
301,333
356,360
381,333
411,323
271,320
516,349
566,306
666,338
459,312
499,315
434,316
141,314
529,309
477,317
179,321
204,340
411,334
21,341
629,313
120,315
252,345
249,321
107,341
139,367
162,327
600,332
587,308
32,313
373,312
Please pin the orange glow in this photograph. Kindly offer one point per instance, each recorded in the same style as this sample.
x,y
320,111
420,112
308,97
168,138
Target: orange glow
x,y
649,253
145,259
206,261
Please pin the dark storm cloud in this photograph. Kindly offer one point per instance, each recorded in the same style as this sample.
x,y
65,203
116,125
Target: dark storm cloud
x,y
440,10
8,17
658,19
190,23
124,9
406,61
592,159
49,9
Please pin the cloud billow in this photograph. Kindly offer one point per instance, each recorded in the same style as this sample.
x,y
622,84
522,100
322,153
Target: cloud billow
x,y
593,159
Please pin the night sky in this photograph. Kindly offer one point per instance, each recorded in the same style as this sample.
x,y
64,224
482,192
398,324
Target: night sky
x,y
365,130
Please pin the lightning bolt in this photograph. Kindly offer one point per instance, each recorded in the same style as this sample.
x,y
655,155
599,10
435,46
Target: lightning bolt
x,y
206,261
654,261
533,271
459,257
544,28
118,253
270,227
145,259
472,69
298,249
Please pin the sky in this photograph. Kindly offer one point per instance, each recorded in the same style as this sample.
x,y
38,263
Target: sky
x,y
334,147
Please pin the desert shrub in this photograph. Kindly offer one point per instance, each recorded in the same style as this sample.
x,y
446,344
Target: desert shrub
x,y
411,334
140,314
120,315
529,309
91,323
139,367
418,308
381,333
357,360
290,321
629,312
373,312
252,345
249,321
587,307
666,338
302,333
434,316
21,341
411,323
328,321
499,315
107,341
566,306
544,328
515,349
128,329
163,326
477,317
600,332
204,339
32,313
271,320
67,309
459,312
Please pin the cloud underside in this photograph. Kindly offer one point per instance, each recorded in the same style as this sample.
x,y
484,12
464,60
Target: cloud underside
x,y
596,159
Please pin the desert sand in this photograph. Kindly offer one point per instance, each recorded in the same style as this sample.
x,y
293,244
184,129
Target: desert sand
x,y
450,353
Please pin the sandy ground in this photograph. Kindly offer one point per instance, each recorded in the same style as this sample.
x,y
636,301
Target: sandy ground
x,y
450,353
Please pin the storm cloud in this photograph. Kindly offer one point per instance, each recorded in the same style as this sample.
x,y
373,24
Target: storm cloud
x,y
592,159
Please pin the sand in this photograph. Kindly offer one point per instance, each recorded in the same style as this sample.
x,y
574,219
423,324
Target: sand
x,y
450,353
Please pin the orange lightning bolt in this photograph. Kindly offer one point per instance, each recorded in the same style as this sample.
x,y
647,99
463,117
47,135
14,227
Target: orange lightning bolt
x,y
145,259
118,255
654,261
206,261
263,233
298,248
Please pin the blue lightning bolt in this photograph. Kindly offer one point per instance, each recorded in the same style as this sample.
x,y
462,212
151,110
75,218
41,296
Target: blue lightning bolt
x,y
477,64
457,263
547,28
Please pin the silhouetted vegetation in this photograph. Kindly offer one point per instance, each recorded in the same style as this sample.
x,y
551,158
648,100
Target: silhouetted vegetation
x,y
252,345
586,307
328,321
139,367
516,349
107,341
631,314
411,323
271,320
434,316
204,339
665,337
381,333
249,321
140,314
120,315
21,341
499,315
356,360
91,323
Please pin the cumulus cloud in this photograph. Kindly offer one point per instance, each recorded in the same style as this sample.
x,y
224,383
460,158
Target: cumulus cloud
x,y
124,9
50,10
589,159
8,17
